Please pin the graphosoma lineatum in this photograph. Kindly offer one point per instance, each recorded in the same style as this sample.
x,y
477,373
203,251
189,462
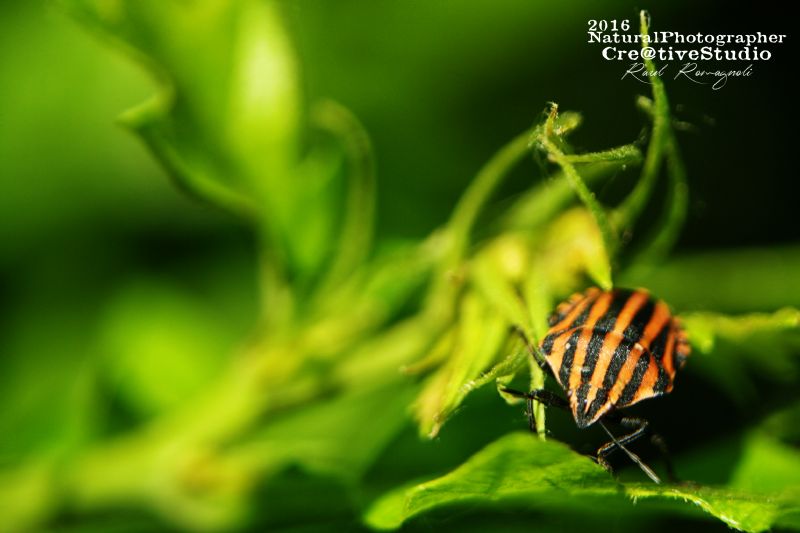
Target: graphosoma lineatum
x,y
609,350
612,349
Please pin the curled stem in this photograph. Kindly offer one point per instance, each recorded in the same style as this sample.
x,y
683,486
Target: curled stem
x,y
357,229
662,144
545,138
478,193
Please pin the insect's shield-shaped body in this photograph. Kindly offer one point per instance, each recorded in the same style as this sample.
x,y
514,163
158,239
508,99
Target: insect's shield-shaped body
x,y
611,349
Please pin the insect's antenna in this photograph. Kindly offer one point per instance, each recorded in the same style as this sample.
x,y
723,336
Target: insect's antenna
x,y
635,458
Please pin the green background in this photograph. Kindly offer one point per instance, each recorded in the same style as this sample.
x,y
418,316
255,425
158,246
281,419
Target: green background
x,y
106,269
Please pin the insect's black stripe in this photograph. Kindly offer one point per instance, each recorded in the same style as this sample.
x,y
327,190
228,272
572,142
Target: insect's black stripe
x,y
635,329
659,343
663,379
598,402
600,330
636,379
593,351
620,345
621,355
609,318
569,356
583,391
660,386
547,343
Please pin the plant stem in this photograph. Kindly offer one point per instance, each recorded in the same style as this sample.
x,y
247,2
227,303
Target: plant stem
x,y
538,299
576,182
627,153
678,206
359,211
663,143
478,193
631,208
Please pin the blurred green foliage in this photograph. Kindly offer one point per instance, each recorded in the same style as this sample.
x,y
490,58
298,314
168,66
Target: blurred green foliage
x,y
266,358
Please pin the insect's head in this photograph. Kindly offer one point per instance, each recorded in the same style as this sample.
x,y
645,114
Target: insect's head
x,y
587,408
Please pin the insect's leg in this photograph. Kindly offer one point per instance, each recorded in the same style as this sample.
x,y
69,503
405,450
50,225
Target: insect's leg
x,y
545,397
661,445
528,406
531,414
537,355
655,439
549,399
604,451
640,425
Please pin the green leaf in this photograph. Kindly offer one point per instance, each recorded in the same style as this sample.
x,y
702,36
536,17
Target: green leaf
x,y
480,335
767,465
573,246
729,349
705,329
517,468
745,511
496,270
520,471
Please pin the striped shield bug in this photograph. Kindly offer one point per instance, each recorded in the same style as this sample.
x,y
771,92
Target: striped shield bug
x,y
609,350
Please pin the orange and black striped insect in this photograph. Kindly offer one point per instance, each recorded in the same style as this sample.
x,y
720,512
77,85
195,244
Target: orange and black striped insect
x,y
609,350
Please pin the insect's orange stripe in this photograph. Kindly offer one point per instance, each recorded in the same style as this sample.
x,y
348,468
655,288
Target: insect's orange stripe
x,y
590,396
669,354
648,381
660,317
668,362
565,307
600,307
612,341
556,356
575,304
